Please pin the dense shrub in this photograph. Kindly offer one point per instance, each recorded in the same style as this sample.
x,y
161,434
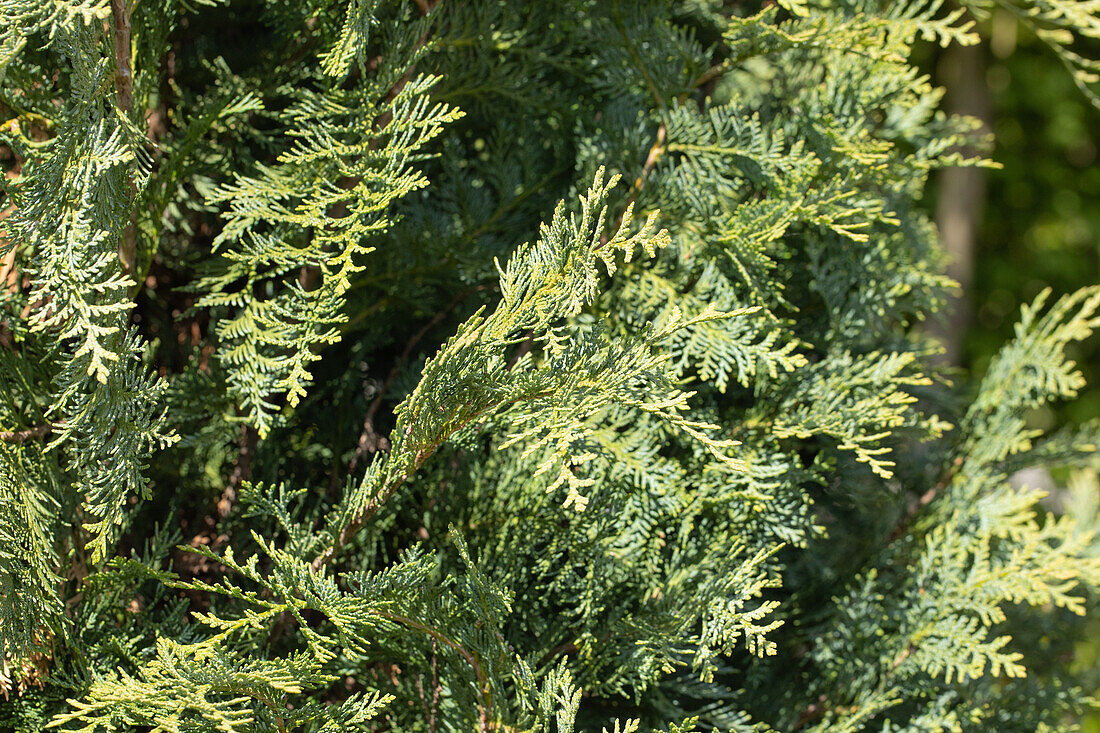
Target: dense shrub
x,y
298,434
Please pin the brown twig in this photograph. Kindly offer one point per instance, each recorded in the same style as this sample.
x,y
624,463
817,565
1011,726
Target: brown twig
x,y
9,273
812,712
430,710
369,440
650,162
19,436
309,274
9,277
905,654
436,687
124,83
818,709
369,509
712,73
425,7
568,647
636,57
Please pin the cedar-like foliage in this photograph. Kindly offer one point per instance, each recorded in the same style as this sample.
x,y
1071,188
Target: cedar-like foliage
x,y
516,366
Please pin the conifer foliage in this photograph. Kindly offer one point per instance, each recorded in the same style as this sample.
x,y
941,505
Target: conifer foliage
x,y
516,366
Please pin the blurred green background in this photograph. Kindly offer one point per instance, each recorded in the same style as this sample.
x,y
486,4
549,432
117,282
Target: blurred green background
x,y
1030,225
1039,219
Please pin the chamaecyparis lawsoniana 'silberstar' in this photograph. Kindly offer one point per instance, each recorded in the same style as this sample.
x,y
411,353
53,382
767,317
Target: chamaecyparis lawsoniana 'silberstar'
x,y
516,366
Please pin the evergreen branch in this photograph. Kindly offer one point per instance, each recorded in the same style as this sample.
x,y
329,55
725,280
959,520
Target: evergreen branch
x,y
485,693
369,145
639,63
622,556
559,279
392,483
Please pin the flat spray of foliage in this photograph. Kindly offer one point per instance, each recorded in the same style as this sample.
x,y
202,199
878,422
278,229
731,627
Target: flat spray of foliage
x,y
515,366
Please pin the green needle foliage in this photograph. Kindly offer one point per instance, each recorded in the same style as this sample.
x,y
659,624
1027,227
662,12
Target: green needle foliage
x,y
516,366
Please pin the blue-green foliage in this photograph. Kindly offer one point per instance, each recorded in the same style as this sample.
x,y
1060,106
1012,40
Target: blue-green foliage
x,y
511,366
